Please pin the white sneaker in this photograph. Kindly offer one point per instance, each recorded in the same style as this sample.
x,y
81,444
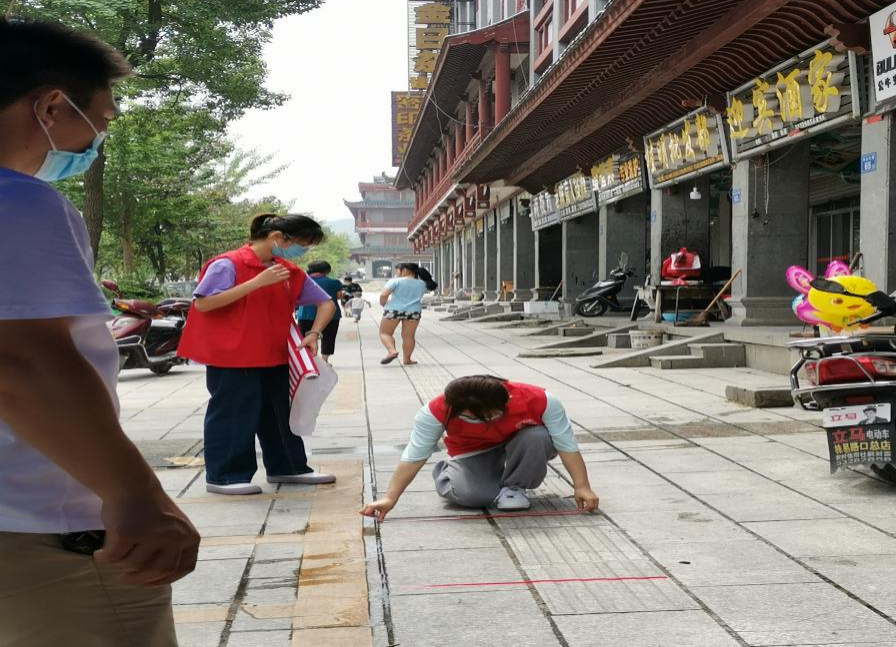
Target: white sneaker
x,y
512,498
311,478
233,488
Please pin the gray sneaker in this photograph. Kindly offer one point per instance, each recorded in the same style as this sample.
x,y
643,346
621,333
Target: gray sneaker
x,y
512,498
311,478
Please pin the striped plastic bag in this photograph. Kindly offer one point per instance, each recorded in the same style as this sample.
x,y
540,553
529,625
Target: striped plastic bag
x,y
310,384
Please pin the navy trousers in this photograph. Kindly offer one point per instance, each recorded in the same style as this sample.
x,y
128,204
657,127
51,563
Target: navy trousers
x,y
249,402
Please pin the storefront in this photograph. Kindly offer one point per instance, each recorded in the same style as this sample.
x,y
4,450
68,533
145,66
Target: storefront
x,y
548,241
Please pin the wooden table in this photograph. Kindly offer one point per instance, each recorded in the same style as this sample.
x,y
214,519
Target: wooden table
x,y
669,298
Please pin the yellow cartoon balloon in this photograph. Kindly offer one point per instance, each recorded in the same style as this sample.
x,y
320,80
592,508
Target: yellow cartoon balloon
x,y
835,311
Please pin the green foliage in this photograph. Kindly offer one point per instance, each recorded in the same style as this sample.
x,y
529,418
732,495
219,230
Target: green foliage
x,y
170,189
334,249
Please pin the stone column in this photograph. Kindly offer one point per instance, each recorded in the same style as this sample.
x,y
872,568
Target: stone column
x,y
485,108
623,228
505,246
549,262
467,272
525,262
492,282
678,221
878,205
580,253
478,260
766,243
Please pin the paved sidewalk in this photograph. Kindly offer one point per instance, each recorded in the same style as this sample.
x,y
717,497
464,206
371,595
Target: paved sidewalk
x,y
719,525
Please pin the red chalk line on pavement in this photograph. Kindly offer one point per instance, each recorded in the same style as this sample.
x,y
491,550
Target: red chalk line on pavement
x,y
465,517
548,581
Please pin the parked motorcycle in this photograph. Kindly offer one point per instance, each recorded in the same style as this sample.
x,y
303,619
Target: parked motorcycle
x,y
851,379
147,334
604,295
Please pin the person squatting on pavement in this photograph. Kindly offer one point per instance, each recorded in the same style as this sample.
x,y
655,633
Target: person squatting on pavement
x,y
90,541
500,436
238,327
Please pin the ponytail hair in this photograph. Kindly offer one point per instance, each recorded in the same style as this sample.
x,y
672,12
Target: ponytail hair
x,y
291,225
421,273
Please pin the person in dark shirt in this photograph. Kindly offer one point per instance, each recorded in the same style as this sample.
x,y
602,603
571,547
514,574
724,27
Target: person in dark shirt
x,y
319,272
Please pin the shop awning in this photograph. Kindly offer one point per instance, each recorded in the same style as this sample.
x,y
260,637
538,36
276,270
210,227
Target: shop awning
x,y
629,72
461,55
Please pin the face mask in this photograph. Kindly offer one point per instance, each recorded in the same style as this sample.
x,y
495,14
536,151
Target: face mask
x,y
293,251
58,164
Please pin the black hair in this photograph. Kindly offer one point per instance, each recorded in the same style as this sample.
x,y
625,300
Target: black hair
x,y
292,225
319,267
421,273
38,54
481,395
347,278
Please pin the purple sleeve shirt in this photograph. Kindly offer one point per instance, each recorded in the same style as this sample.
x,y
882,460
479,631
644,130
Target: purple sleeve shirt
x,y
221,276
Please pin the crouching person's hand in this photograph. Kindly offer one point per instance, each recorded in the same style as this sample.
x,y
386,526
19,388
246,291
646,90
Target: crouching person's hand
x,y
586,499
378,509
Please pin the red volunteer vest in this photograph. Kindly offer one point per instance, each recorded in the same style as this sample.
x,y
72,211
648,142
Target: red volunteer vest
x,y
251,332
525,408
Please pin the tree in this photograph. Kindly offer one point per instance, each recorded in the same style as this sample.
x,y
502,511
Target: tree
x,y
187,54
334,249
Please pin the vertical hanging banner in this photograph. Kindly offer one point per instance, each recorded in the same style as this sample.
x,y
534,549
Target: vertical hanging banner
x,y
793,101
428,25
883,50
405,109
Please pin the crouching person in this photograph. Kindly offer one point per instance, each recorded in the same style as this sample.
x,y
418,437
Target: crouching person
x,y
500,436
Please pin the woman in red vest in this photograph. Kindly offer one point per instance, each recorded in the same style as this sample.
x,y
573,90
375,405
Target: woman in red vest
x,y
500,436
238,327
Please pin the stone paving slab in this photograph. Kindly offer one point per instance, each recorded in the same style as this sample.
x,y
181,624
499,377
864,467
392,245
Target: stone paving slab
x,y
655,629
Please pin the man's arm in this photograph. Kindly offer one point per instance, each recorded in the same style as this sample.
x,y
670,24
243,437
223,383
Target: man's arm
x,y
54,400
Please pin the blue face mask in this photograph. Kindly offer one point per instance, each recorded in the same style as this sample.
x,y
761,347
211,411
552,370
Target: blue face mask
x,y
58,164
293,251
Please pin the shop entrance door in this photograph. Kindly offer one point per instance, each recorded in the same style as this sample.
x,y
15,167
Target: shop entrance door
x,y
836,233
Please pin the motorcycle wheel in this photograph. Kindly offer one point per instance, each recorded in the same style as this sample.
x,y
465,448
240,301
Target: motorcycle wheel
x,y
887,472
162,369
594,308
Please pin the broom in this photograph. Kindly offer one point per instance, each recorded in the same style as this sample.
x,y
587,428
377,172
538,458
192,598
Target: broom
x,y
699,319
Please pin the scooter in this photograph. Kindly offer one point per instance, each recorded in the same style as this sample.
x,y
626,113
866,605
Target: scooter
x,y
851,379
147,334
604,295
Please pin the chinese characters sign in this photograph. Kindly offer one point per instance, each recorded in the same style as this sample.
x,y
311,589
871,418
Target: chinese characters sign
x,y
574,197
883,49
429,22
690,146
859,435
793,101
543,211
405,108
617,177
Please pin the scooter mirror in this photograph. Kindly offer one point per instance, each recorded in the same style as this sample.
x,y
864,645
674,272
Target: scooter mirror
x,y
824,285
112,287
623,260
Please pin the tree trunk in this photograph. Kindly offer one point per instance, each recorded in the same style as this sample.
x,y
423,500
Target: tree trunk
x,y
127,236
93,201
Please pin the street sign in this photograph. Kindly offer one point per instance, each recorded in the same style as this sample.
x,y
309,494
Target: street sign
x,y
869,163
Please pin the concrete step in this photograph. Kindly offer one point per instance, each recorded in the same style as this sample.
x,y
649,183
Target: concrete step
x,y
720,355
619,340
761,397
676,362
670,348
561,352
580,331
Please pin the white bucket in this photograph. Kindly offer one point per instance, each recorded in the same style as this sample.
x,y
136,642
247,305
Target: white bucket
x,y
642,339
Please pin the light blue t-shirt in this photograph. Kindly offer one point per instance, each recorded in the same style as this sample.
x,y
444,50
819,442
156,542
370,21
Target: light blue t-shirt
x,y
46,272
407,294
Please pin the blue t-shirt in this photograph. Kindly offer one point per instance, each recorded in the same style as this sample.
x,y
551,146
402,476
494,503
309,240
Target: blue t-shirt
x,y
407,294
328,285
46,272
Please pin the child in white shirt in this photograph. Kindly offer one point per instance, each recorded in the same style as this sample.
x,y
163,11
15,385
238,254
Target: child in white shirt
x,y
357,304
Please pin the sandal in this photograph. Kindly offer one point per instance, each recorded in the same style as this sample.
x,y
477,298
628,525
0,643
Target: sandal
x,y
388,359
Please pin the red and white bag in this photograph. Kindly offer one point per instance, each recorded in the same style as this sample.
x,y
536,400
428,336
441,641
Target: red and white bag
x,y
310,384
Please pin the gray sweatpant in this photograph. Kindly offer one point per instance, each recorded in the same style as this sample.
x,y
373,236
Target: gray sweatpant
x,y
474,481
